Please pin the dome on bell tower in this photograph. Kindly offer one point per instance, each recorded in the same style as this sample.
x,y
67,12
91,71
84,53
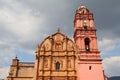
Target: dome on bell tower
x,y
83,10
83,18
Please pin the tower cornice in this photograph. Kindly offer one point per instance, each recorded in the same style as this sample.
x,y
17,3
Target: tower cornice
x,y
80,31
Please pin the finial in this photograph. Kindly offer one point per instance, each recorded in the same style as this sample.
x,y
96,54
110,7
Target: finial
x,y
16,57
58,29
81,4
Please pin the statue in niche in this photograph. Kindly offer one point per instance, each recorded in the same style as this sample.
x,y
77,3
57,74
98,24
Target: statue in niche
x,y
46,46
61,63
58,43
70,46
69,63
43,47
45,63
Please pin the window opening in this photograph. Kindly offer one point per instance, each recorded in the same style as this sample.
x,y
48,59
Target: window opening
x,y
57,65
87,44
90,67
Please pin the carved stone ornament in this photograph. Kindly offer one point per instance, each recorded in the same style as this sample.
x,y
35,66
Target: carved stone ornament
x,y
45,63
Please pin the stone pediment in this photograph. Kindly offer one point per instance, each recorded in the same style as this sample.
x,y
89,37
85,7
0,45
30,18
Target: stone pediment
x,y
57,42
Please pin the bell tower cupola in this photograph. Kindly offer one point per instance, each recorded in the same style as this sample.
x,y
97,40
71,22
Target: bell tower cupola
x,y
83,18
84,31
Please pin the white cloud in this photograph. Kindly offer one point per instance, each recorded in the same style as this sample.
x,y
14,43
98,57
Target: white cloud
x,y
18,25
6,54
112,66
4,72
22,24
107,45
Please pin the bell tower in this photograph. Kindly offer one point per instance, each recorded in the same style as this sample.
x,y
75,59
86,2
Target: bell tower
x,y
89,61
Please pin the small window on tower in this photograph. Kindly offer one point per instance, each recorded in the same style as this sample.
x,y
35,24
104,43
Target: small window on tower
x,y
57,65
87,44
90,67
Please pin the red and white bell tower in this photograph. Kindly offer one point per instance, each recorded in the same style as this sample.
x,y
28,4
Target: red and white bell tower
x,y
89,61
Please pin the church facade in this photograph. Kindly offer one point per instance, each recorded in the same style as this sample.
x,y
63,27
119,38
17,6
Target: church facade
x,y
60,58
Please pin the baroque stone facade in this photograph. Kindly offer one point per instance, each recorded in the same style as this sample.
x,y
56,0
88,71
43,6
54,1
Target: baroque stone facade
x,y
60,58
55,59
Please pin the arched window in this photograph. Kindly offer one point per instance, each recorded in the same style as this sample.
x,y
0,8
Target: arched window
x,y
87,44
57,65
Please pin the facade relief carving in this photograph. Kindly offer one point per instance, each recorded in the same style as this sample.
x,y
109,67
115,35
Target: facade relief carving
x,y
61,62
59,47
46,45
42,48
70,46
58,42
45,63
69,63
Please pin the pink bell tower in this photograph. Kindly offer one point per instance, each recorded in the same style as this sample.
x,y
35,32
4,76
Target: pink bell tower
x,y
89,61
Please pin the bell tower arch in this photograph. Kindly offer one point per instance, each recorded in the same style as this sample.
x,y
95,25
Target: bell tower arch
x,y
89,61
87,44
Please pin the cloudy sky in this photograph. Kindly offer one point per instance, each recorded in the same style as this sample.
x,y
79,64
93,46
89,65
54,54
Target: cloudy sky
x,y
25,23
